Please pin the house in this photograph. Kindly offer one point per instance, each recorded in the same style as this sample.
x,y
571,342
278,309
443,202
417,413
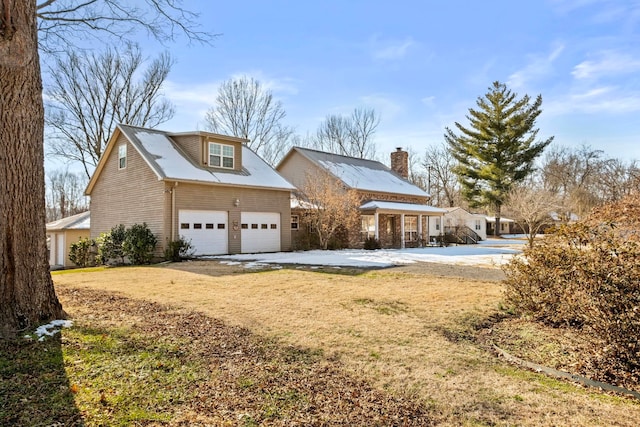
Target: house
x,y
393,210
207,188
461,222
507,226
62,233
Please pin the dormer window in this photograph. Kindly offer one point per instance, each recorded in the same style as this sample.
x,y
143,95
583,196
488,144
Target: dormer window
x,y
122,156
221,155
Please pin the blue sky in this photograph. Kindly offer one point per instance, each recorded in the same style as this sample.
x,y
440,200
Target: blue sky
x,y
423,64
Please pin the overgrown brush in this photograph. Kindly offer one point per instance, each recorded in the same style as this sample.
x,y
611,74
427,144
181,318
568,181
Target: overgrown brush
x,y
588,277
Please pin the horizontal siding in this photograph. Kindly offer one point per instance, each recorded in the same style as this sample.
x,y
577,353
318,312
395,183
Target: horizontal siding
x,y
128,196
218,198
192,145
296,169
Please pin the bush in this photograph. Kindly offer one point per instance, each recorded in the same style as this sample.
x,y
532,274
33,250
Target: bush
x,y
110,245
178,250
371,243
139,244
83,253
587,277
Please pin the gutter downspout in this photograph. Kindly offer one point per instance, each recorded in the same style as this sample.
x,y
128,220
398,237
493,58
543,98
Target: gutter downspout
x,y
173,211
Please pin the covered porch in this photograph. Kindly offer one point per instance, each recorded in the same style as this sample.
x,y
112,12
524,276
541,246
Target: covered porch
x,y
400,225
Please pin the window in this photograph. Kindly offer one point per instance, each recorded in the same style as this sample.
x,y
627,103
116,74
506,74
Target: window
x,y
478,224
197,226
368,227
245,226
184,226
410,228
274,226
295,221
221,226
209,226
220,155
264,226
122,156
254,226
437,224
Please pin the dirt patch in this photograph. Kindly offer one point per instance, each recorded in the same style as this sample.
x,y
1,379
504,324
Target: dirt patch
x,y
451,270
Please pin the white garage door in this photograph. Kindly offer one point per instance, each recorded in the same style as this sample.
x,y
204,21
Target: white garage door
x,y
260,232
207,230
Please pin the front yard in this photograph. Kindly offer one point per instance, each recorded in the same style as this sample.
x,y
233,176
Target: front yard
x,y
387,344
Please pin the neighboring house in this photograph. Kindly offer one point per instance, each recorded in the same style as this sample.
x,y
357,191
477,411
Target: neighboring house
x,y
62,233
459,221
393,210
507,226
207,188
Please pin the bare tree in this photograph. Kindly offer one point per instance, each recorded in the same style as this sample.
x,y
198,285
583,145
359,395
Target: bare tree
x,y
61,22
331,207
27,295
531,208
244,108
349,136
442,182
90,93
65,194
584,178
416,174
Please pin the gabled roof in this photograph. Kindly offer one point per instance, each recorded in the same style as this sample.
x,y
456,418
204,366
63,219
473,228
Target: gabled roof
x,y
79,221
360,174
458,208
169,162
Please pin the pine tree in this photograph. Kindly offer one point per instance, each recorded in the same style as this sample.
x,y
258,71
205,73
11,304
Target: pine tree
x,y
498,149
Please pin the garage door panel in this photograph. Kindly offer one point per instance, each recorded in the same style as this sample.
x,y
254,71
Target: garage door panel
x,y
207,231
260,232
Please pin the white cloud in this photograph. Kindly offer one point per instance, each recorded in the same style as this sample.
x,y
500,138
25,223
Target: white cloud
x,y
190,94
390,49
538,66
607,64
429,101
386,107
599,100
282,85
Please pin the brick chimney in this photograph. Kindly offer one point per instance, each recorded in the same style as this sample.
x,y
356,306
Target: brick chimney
x,y
400,162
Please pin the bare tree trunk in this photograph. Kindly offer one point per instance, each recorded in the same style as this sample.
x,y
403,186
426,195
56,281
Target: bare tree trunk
x,y
27,296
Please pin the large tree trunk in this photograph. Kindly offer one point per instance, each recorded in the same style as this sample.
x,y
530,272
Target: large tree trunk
x,y
27,296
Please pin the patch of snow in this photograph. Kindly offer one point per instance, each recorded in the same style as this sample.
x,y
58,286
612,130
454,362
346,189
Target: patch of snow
x,y
369,178
478,255
52,328
158,149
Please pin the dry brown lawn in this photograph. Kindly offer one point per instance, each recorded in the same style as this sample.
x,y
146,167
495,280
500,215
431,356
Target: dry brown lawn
x,y
408,333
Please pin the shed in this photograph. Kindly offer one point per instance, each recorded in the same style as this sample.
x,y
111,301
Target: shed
x,y
62,233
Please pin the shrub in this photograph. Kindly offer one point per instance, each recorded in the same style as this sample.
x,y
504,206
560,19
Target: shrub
x,y
83,253
588,277
110,245
139,244
371,243
178,250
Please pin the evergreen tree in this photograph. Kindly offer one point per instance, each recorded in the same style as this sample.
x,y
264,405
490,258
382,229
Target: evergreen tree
x,y
498,149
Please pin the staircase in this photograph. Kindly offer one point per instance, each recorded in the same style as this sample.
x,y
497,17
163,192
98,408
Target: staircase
x,y
462,235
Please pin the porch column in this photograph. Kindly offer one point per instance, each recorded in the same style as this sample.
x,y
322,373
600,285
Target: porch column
x,y
377,223
420,230
402,231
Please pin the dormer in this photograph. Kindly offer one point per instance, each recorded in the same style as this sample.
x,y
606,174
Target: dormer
x,y
211,150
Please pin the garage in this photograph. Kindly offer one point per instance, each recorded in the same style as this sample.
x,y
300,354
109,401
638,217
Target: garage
x,y
207,230
260,232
